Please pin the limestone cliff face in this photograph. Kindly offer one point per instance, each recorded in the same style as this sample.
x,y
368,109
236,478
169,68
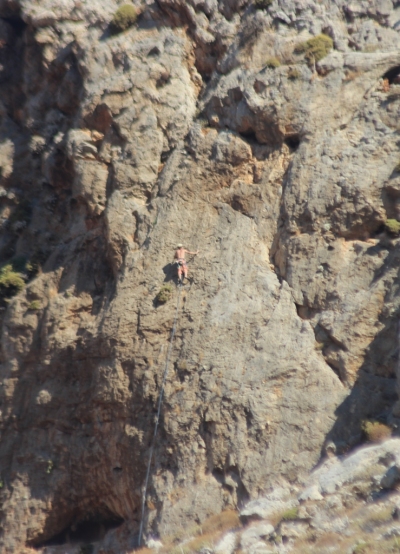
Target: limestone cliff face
x,y
113,148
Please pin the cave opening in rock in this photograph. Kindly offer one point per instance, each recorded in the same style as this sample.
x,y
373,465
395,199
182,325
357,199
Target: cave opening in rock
x,y
86,530
249,136
293,141
393,75
16,22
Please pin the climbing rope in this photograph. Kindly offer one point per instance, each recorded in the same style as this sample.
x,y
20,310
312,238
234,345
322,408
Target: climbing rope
x,y
160,398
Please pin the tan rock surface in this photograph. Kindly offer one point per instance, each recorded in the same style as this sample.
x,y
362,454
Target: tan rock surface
x,y
113,148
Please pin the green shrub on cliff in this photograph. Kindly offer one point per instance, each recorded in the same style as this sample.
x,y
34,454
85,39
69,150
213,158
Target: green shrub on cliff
x,y
290,514
164,294
34,306
11,282
272,63
316,48
392,226
123,18
15,273
374,431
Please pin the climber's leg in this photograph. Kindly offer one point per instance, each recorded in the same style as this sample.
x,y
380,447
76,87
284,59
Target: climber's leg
x,y
180,273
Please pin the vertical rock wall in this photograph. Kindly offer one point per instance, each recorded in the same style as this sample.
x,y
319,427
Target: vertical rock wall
x,y
113,148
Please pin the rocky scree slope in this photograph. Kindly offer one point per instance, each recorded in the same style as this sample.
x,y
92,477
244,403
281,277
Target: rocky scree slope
x,y
206,124
348,504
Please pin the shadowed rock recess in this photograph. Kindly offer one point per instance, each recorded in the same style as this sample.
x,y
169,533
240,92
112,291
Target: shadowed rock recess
x,y
211,123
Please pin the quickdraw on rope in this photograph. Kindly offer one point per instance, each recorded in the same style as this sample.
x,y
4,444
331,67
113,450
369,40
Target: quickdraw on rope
x,y
160,398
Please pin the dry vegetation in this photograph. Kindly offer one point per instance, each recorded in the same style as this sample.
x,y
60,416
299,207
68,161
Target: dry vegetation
x,y
294,74
164,294
352,75
272,63
34,305
376,518
290,514
316,48
123,18
201,536
11,281
374,431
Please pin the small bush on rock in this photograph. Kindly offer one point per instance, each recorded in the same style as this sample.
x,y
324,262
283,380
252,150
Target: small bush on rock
x,y
273,63
392,226
375,431
360,548
34,306
123,18
294,74
11,282
290,514
164,294
316,48
262,4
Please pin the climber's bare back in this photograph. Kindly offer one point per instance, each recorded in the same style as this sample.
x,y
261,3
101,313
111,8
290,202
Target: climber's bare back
x,y
180,253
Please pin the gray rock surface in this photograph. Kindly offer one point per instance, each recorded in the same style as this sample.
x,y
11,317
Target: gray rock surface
x,y
114,148
356,512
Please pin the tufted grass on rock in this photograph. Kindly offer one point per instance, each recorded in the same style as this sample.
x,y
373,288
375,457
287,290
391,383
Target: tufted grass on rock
x,y
293,74
262,4
272,63
392,545
384,515
15,273
124,18
34,305
207,534
316,48
11,282
360,548
392,226
375,431
290,514
164,294
202,536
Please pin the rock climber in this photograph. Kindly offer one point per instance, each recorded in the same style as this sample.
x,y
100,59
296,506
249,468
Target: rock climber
x,y
181,262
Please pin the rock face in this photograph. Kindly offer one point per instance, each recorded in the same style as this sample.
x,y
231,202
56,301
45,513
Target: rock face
x,y
114,148
357,512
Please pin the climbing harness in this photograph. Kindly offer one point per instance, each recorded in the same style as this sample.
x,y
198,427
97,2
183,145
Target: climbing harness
x,y
160,398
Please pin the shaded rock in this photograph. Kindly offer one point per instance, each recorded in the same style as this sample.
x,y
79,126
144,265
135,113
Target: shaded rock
x,y
391,477
185,128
